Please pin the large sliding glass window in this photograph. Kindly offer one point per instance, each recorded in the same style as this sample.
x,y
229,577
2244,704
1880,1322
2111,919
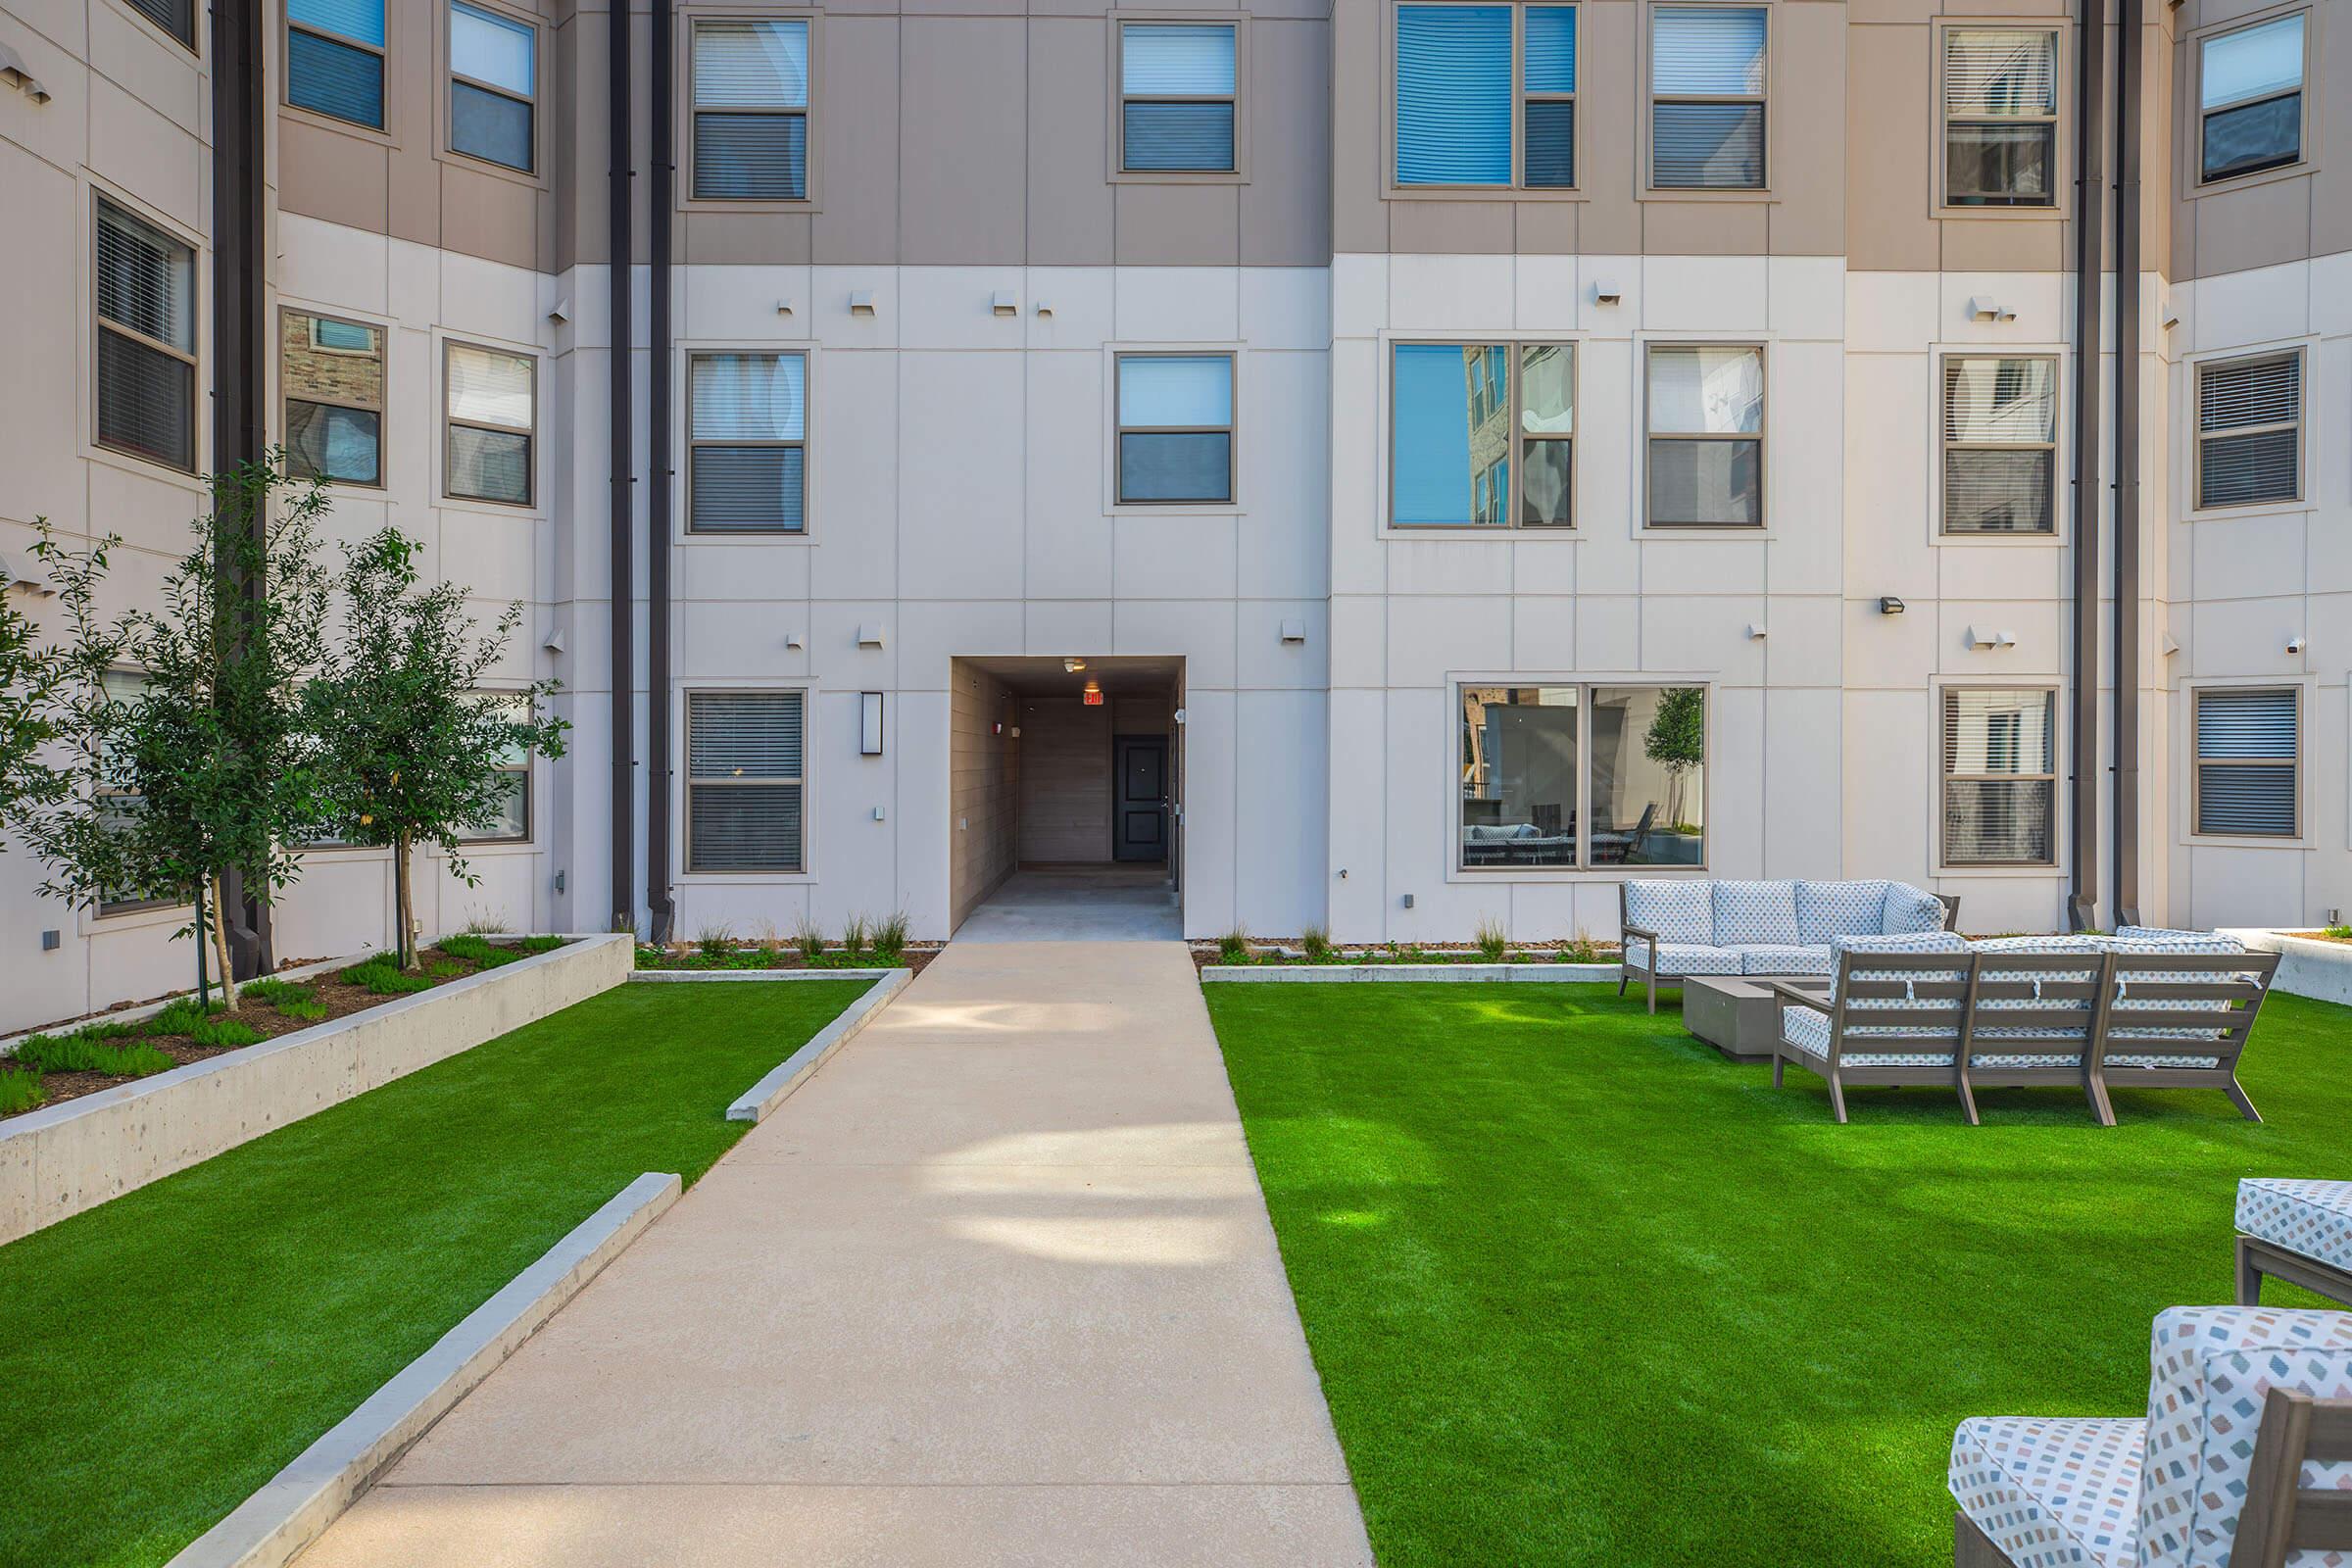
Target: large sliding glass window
x,y
2000,441
746,455
335,59
1454,411
1706,436
2000,125
2250,99
1706,104
751,109
1486,95
2250,748
1568,776
1179,86
2000,784
493,70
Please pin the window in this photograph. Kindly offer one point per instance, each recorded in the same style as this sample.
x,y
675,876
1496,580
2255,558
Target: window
x,y
1454,407
1175,423
2000,444
2250,99
1486,95
1706,436
492,404
743,781
145,287
510,821
335,59
493,63
746,451
1706,105
333,375
2000,783
2247,783
2250,431
751,109
118,804
175,17
2000,116
1179,85
1636,755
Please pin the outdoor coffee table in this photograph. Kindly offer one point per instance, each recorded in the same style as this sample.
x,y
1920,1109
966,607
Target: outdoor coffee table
x,y
1739,1014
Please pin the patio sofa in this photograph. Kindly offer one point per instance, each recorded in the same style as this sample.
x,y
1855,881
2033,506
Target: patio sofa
x,y
2297,1231
1673,927
2181,1488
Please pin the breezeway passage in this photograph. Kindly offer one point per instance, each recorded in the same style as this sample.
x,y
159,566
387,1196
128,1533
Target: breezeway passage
x,y
996,1286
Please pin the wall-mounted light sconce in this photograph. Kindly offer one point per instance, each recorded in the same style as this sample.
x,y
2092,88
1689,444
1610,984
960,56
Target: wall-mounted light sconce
x,y
14,74
559,881
1888,604
1606,291
1004,303
555,641
869,724
559,312
1984,307
1755,631
1408,901
1980,638
1294,631
881,816
870,635
862,302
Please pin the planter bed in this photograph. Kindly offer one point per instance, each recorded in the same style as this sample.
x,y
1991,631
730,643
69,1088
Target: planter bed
x,y
1207,955
688,958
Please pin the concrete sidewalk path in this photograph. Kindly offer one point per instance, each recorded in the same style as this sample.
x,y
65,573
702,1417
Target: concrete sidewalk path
x,y
996,1286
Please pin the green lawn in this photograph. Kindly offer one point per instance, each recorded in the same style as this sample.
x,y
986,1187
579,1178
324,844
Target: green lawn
x,y
162,1356
1581,1292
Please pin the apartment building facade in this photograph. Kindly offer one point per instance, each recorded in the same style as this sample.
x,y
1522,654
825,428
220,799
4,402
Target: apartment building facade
x,y
1393,463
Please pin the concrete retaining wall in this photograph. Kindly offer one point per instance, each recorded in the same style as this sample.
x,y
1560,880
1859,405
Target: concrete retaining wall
x,y
2306,967
59,1160
1342,973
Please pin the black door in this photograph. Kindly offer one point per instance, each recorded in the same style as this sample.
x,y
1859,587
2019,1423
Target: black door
x,y
1138,808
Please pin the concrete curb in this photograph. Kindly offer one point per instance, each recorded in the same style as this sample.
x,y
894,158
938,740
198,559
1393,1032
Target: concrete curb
x,y
56,1161
663,976
762,1098
295,1506
2307,967
1337,974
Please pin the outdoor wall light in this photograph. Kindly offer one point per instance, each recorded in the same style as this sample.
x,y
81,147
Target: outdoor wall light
x,y
862,302
1072,666
1888,604
869,724
1605,291
1755,631
1003,303
2298,643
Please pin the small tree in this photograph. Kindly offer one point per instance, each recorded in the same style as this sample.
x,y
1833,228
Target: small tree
x,y
1678,740
32,678
411,744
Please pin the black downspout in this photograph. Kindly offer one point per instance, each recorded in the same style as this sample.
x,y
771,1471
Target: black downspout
x,y
2083,895
656,504
2126,853
240,336
621,251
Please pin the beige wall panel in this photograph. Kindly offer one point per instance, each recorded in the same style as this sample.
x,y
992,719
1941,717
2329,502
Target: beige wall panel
x,y
1704,229
41,324
855,142
153,68
415,199
561,138
962,165
585,206
983,786
1548,228
1065,781
1438,228
1070,216
1808,136
148,155
484,214
2330,87
1889,150
2254,225
324,174
1359,145
1285,207
1609,121
1177,225
1988,245
776,239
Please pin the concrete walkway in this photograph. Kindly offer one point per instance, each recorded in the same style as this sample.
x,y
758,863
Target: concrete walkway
x,y
1078,904
996,1286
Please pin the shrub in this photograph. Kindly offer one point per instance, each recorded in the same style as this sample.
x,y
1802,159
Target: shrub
x,y
20,1091
444,969
474,950
810,937
1315,943
85,1052
220,1034
483,925
2341,932
1491,941
1233,946
855,932
306,1012
1581,950
273,991
890,937
715,941
181,1017
546,944
382,978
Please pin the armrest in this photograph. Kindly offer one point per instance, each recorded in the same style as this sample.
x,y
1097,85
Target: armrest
x,y
1793,997
1628,935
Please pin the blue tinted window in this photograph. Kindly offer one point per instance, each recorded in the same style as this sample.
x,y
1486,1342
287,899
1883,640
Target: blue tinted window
x,y
1453,95
1451,413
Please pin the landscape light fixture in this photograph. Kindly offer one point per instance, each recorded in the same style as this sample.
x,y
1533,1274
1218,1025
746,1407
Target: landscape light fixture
x,y
1888,604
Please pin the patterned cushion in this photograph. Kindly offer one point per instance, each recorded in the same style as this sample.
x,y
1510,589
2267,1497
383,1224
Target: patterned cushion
x,y
1752,913
2314,1218
2046,1058
2161,933
2131,1058
1679,910
2050,1493
1809,1032
1755,960
2205,1393
1907,909
1683,958
1826,909
1921,942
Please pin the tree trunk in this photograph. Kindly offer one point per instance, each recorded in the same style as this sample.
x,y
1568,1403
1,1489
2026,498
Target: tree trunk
x,y
220,933
405,938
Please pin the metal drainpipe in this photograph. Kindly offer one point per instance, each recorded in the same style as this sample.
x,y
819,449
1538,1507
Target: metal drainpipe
x,y
657,414
2083,895
622,253
2128,132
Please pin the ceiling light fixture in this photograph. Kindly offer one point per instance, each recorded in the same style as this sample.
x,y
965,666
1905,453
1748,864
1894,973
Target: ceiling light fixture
x,y
1072,666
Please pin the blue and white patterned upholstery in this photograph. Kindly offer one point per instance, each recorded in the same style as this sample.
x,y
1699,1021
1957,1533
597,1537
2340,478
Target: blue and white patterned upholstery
x,y
1826,909
2051,1493
1809,1032
1908,909
2152,944
1783,960
2166,933
1755,913
1677,910
1995,946
1682,958
2310,1217
1918,942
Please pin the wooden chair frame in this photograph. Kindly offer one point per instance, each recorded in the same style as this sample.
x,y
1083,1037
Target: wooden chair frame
x,y
2257,1257
2242,979
1929,1024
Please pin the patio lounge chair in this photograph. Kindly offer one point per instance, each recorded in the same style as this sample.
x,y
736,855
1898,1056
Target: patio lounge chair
x,y
2180,1007
2297,1231
1679,927
2182,1487
1893,1018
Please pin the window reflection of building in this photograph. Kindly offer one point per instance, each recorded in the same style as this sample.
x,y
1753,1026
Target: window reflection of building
x,y
1486,371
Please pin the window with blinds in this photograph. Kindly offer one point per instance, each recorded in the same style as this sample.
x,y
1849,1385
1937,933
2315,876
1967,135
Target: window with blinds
x,y
333,374
2248,783
335,59
744,781
510,821
2000,116
746,455
175,17
145,282
1706,436
1458,414
2250,99
1486,96
493,70
1179,85
1706,98
492,405
750,90
2000,444
2000,778
2250,431
1175,425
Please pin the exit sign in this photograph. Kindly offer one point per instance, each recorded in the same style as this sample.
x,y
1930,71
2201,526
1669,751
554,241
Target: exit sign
x,y
1091,698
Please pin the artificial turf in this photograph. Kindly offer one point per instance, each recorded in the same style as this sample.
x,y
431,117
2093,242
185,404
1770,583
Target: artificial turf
x,y
1581,1291
164,1355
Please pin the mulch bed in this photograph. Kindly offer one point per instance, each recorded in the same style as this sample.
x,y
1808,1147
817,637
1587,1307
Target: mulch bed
x,y
1205,955
688,957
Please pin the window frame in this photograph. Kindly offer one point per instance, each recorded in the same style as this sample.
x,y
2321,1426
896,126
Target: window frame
x,y
1645,129
2054,776
683,112
450,422
1945,355
287,27
194,358
1514,349
2198,435
2061,144
191,41
446,139
1238,175
2192,183
1587,685
687,443
530,785
1232,356
2191,832
1762,438
808,693
382,409
1518,190
104,907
